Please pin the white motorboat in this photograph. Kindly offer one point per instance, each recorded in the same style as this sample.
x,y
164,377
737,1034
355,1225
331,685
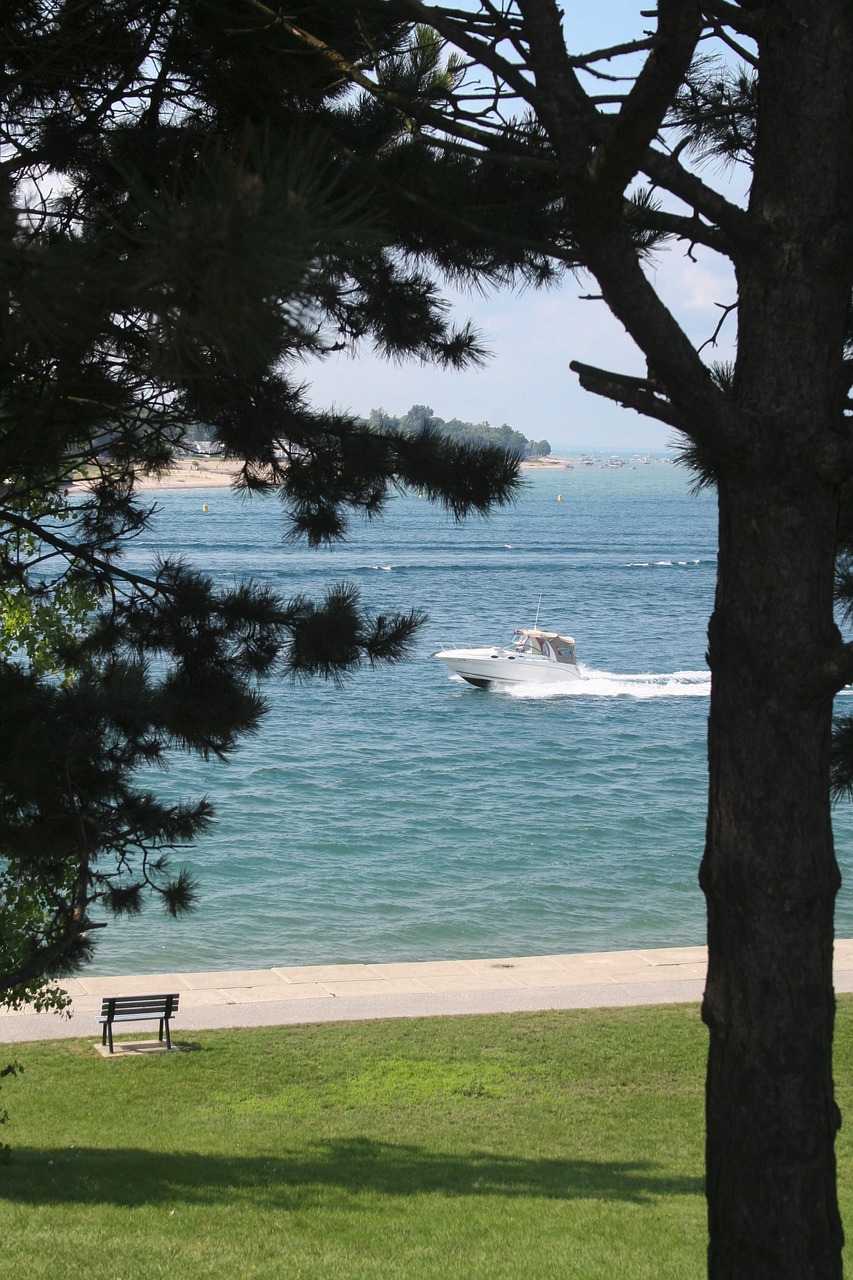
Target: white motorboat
x,y
536,657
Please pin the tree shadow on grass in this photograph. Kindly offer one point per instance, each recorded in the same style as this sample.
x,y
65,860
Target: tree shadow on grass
x,y
290,1180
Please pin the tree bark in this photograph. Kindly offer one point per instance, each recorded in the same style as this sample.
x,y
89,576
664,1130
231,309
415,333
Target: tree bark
x,y
770,878
769,871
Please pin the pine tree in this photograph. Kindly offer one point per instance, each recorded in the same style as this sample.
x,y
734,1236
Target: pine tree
x,y
188,206
606,149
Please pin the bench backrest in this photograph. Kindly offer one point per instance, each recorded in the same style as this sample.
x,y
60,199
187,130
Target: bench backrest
x,y
140,1006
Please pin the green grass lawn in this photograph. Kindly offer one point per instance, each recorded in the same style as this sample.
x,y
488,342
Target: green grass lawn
x,y
523,1145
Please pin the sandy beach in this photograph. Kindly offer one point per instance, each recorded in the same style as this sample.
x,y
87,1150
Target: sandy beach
x,y
220,473
194,473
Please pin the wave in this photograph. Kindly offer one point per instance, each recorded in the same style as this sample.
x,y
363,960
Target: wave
x,y
692,563
611,684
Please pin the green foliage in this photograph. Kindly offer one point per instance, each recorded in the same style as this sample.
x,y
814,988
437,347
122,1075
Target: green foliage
x,y
421,418
190,203
717,109
40,619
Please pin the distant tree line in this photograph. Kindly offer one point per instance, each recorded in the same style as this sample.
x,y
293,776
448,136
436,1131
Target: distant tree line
x,y
421,416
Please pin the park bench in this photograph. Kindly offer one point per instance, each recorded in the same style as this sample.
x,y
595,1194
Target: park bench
x,y
137,1009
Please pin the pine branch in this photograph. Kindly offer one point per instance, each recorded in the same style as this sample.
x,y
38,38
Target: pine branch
x,y
736,47
642,115
456,27
585,60
51,959
692,229
665,171
78,551
747,20
639,394
427,115
841,770
570,119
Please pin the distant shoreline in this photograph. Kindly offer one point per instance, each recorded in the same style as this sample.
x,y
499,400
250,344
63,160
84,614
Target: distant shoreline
x,y
220,473
194,473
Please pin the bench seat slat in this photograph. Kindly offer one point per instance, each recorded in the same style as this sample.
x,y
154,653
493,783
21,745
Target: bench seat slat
x,y
132,1017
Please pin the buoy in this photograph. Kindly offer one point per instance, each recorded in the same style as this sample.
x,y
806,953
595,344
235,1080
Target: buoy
x,y
204,506
420,495
559,497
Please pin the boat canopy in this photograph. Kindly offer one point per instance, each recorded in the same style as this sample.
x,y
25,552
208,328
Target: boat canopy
x,y
563,647
552,636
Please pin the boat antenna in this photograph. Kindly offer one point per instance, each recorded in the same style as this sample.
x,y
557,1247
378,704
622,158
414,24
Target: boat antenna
x,y
538,607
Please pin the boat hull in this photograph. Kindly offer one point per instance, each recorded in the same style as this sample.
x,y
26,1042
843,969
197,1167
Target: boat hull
x,y
487,667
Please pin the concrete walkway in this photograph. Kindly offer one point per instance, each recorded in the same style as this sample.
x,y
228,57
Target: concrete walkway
x,y
350,992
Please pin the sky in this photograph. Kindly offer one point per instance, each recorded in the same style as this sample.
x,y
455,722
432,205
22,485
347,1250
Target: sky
x,y
533,335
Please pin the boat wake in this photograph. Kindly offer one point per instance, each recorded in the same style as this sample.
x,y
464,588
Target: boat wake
x,y
609,684
671,564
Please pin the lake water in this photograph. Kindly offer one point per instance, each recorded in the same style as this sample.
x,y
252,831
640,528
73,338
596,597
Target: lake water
x,y
409,816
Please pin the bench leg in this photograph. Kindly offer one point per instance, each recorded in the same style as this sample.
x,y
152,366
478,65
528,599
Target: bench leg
x,y
109,1030
168,1037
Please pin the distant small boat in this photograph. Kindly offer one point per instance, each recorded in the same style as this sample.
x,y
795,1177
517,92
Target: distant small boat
x,y
536,657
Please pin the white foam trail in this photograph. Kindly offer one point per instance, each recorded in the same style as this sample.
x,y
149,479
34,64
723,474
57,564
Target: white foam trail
x,y
610,684
668,564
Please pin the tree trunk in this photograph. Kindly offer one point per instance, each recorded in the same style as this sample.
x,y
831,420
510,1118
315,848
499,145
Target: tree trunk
x,y
770,879
769,872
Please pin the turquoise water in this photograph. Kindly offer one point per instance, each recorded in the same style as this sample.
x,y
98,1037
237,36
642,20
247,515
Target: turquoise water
x,y
410,816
